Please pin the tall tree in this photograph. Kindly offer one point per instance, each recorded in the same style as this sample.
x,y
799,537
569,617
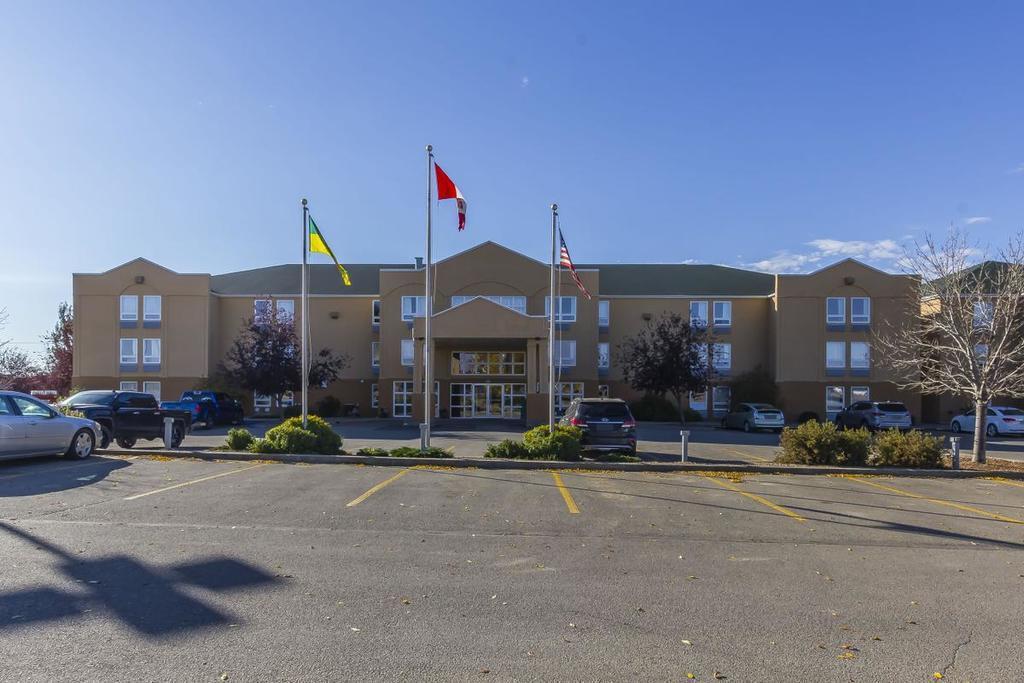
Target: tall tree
x,y
59,350
18,372
265,358
966,337
667,356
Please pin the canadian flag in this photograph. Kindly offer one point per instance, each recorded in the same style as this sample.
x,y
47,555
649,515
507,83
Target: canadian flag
x,y
446,189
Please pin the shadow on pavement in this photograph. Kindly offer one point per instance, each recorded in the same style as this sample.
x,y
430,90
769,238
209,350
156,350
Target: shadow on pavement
x,y
46,475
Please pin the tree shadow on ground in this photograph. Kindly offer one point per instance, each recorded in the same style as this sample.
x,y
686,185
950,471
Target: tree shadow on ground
x,y
46,475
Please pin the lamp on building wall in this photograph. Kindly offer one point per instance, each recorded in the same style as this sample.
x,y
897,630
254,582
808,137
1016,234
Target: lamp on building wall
x,y
646,316
139,279
848,280
335,315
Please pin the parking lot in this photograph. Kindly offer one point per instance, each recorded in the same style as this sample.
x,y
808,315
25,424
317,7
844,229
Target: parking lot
x,y
142,568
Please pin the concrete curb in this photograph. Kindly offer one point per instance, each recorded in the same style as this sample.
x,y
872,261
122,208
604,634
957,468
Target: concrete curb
x,y
500,464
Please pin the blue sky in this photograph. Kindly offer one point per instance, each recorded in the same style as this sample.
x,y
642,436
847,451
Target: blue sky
x,y
774,135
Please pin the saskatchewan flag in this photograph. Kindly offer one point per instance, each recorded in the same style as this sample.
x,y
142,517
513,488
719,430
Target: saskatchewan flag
x,y
317,245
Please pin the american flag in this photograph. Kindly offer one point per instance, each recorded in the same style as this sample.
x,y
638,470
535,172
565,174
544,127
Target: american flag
x,y
565,261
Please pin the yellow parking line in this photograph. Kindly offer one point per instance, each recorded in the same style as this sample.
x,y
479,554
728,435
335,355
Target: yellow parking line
x,y
566,496
747,455
937,501
726,484
1008,482
194,481
375,488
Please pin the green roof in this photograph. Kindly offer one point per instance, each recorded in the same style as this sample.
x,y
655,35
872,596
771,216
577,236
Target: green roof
x,y
681,279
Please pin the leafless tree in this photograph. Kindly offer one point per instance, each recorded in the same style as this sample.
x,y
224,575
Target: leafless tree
x,y
966,337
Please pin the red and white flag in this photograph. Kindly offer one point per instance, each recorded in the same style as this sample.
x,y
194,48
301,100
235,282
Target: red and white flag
x,y
566,262
446,189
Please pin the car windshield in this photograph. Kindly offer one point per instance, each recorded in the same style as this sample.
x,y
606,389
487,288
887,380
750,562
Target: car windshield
x,y
102,398
1012,411
598,411
892,407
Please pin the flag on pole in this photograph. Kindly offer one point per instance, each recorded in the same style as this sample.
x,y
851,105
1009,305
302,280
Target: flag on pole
x,y
565,261
319,246
446,189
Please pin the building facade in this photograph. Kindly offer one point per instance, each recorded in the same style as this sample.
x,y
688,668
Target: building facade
x,y
141,326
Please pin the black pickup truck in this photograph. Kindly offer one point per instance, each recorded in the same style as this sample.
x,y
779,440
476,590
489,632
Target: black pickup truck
x,y
127,416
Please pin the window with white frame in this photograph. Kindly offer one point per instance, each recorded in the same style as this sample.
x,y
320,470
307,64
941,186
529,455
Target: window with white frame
x,y
408,352
565,392
860,355
699,401
461,400
151,388
129,307
129,351
835,400
835,354
603,355
401,398
287,399
699,313
488,363
565,353
566,311
374,396
723,313
721,356
835,310
413,307
859,394
515,302
128,386
261,403
374,354
261,309
721,397
151,351
602,390
286,309
151,308
375,312
984,312
860,310
604,312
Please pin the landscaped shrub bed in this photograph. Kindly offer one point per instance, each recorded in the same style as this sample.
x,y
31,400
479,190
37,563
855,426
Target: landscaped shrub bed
x,y
540,444
822,443
289,437
910,449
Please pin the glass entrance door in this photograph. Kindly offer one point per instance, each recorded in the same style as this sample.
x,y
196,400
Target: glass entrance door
x,y
487,400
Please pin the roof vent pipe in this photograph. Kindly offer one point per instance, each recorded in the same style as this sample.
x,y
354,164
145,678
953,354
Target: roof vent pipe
x,y
419,261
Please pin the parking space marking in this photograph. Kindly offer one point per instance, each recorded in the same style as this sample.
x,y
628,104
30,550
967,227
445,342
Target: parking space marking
x,y
377,487
726,484
747,455
1008,482
194,481
566,496
937,501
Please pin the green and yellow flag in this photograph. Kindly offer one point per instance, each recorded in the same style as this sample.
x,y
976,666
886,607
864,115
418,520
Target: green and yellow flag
x,y
319,246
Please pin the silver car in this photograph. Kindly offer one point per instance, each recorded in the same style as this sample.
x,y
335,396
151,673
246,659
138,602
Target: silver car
x,y
751,416
29,427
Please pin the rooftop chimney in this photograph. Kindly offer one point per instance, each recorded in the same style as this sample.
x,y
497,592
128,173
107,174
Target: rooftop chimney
x,y
419,261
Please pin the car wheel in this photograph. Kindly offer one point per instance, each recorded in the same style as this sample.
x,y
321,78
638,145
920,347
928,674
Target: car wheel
x,y
105,437
125,442
177,435
992,430
956,427
82,445
746,426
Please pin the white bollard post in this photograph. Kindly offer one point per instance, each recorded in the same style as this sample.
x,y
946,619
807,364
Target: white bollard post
x,y
168,431
685,437
954,451
423,436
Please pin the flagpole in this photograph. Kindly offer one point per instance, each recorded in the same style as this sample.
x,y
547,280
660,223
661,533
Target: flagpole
x,y
551,327
428,365
304,312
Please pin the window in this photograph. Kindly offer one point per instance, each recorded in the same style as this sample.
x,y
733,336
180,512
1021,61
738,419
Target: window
x,y
565,354
835,310
401,399
374,396
699,313
860,310
261,313
603,359
286,309
835,400
152,388
984,312
260,403
835,354
566,312
408,352
375,312
287,399
723,313
602,390
488,363
721,357
516,303
374,354
151,308
413,307
29,407
565,392
860,355
699,401
128,386
860,394
720,399
151,351
129,308
129,351
604,312
461,400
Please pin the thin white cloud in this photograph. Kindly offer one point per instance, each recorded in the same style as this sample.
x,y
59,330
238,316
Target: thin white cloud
x,y
882,253
975,220
1018,169
524,81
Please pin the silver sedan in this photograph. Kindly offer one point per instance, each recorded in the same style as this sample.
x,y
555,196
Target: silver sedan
x,y
29,427
752,416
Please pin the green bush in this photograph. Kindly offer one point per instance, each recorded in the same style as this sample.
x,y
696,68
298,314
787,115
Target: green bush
x,y
564,444
263,446
328,406
691,415
514,450
290,437
239,439
821,443
654,408
911,449
412,452
373,452
292,411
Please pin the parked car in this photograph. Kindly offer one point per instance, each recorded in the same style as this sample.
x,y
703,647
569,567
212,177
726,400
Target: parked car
x,y
999,420
208,408
127,416
607,424
751,416
29,427
874,415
